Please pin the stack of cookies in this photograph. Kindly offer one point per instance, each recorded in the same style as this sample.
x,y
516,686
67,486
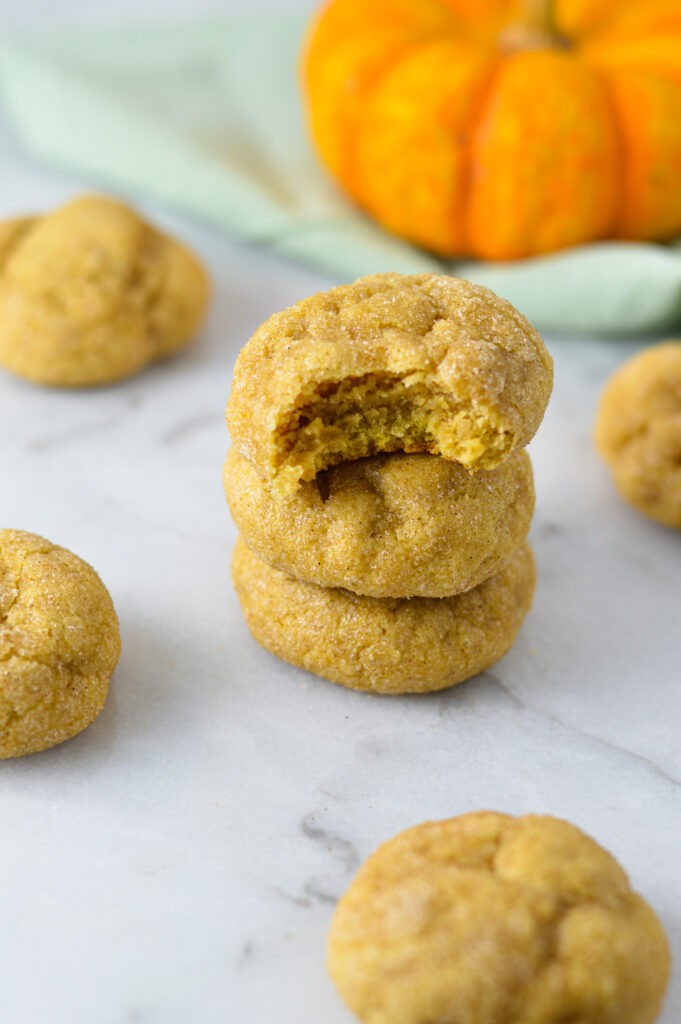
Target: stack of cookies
x,y
379,482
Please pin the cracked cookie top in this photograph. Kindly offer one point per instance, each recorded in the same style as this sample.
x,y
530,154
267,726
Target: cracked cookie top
x,y
91,293
489,919
387,526
59,643
390,363
638,431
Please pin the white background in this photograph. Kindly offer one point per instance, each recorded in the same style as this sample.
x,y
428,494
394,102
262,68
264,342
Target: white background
x,y
178,862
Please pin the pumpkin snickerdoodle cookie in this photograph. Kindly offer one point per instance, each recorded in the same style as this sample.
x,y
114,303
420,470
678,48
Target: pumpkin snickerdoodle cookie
x,y
489,919
91,293
388,525
384,645
392,362
638,431
59,644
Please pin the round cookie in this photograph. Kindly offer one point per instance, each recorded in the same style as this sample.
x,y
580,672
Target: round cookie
x,y
384,645
411,363
59,644
389,525
91,293
488,919
638,431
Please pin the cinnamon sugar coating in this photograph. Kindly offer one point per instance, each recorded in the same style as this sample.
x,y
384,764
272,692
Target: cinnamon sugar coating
x,y
59,644
387,526
415,363
489,919
384,645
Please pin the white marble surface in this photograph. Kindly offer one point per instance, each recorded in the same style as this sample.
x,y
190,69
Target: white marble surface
x,y
179,861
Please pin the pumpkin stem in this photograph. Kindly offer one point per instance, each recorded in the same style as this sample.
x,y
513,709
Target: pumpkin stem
x,y
532,28
537,14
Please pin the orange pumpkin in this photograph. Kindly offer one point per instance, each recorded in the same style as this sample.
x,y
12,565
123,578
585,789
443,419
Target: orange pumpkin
x,y
502,128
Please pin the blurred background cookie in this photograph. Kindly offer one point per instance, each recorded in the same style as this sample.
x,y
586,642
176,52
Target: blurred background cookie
x,y
393,362
387,526
91,293
488,918
384,645
638,431
59,644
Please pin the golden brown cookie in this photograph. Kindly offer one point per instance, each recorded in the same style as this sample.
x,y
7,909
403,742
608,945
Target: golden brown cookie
x,y
489,919
638,431
387,526
384,645
91,293
390,363
59,644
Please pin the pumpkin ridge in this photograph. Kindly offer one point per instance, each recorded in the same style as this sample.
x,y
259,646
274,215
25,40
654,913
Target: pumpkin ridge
x,y
652,203
454,123
614,229
564,141
477,106
391,60
394,52
370,84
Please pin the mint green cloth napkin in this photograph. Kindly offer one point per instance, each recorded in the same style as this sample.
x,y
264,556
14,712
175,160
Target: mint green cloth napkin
x,y
206,116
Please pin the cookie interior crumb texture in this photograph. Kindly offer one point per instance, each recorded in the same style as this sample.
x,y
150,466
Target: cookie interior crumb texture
x,y
389,525
419,363
384,645
489,919
638,431
91,293
59,644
